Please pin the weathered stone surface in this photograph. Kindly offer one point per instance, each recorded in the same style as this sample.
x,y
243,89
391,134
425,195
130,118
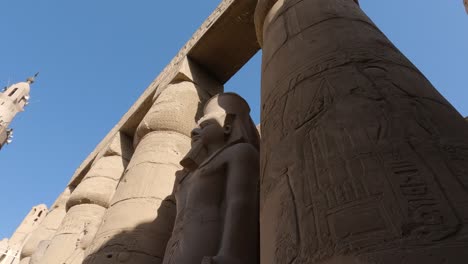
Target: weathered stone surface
x,y
10,250
39,252
99,184
134,214
13,99
174,110
139,221
79,221
218,37
8,254
217,192
363,161
30,223
25,260
121,146
48,226
88,203
139,236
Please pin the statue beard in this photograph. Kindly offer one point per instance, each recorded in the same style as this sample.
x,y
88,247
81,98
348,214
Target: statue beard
x,y
196,155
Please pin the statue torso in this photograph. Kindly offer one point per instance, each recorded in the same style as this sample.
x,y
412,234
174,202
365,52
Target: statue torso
x,y
200,209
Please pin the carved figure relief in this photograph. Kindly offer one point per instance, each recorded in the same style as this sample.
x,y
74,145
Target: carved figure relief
x,y
361,156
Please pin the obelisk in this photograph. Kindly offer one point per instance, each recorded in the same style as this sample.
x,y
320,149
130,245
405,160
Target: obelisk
x,y
363,161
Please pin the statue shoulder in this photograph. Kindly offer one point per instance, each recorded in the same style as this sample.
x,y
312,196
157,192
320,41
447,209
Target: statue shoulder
x,y
241,152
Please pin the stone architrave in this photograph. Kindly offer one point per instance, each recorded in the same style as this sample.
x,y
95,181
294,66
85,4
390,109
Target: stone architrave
x,y
363,161
216,193
46,230
139,221
87,205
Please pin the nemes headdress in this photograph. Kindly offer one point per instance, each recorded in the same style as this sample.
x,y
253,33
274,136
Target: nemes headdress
x,y
234,105
235,111
230,103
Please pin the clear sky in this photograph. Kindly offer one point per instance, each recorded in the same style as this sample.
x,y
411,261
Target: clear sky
x,y
96,57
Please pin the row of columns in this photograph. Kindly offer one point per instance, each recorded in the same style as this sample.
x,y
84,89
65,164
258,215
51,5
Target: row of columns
x,y
122,211
139,221
38,241
86,207
363,161
73,221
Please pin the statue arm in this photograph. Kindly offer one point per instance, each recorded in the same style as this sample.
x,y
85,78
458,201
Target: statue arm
x,y
239,242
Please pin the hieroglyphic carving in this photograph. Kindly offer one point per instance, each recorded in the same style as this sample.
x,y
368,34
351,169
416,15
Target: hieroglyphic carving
x,y
359,134
427,215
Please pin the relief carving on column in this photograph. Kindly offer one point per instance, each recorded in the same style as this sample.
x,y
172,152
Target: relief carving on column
x,y
363,161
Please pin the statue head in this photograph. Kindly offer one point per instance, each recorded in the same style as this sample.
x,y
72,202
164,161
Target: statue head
x,y
226,121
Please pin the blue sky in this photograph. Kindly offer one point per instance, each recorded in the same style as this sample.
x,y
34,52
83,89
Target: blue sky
x,y
96,57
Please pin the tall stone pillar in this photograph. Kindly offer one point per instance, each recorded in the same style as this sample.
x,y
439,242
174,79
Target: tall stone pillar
x,y
86,207
46,230
139,221
363,161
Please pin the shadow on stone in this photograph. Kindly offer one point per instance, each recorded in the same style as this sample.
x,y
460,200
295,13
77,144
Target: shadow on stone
x,y
140,244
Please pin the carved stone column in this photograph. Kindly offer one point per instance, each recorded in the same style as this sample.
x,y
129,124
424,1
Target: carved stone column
x,y
30,223
26,260
87,205
363,161
47,228
139,222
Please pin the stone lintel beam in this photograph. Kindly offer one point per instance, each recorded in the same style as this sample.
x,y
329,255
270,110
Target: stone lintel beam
x,y
209,43
234,38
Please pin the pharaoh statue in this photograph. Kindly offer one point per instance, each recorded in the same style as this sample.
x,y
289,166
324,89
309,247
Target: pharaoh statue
x,y
217,191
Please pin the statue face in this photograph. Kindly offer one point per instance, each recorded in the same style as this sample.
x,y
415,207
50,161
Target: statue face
x,y
210,130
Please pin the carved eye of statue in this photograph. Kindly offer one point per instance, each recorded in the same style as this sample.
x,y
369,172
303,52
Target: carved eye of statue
x,y
205,124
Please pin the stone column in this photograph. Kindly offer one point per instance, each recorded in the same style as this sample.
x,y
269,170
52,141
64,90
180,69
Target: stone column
x,y
363,161
39,252
30,223
139,222
25,261
86,207
47,228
